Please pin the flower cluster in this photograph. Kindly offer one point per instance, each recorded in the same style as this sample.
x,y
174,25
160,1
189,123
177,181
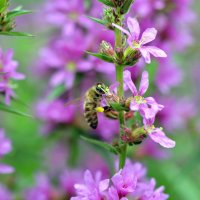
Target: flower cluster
x,y
5,147
7,73
128,183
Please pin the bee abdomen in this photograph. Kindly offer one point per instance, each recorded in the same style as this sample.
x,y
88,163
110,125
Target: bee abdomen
x,y
90,114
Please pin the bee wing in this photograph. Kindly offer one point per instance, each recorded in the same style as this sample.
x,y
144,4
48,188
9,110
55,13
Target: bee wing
x,y
78,101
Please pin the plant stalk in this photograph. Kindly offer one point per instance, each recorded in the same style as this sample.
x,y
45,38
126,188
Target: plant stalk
x,y
120,93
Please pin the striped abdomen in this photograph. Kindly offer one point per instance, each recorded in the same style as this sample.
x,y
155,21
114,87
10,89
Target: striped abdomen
x,y
92,100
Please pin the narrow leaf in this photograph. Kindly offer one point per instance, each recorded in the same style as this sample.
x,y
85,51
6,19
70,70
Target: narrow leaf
x,y
16,34
126,6
99,21
9,109
107,3
101,56
15,13
100,144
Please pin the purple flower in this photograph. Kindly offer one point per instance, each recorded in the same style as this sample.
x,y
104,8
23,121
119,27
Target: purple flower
x,y
4,193
157,135
125,180
138,44
146,191
147,107
5,147
7,73
92,189
128,183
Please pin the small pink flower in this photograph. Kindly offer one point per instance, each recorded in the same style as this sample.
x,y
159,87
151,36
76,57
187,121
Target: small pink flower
x,y
157,135
147,107
93,187
138,44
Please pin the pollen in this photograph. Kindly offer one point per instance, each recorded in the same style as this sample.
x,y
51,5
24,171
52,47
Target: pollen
x,y
100,109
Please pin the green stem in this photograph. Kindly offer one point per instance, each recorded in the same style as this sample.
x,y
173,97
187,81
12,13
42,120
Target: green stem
x,y
120,93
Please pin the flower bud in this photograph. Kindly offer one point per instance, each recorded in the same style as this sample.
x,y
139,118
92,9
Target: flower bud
x,y
106,48
131,56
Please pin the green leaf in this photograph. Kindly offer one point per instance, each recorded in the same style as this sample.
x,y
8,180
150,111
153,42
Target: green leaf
x,y
107,3
3,5
16,34
15,13
9,109
126,6
100,144
101,56
99,21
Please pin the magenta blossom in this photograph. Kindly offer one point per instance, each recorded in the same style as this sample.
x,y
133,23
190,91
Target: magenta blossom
x,y
125,180
7,73
5,193
157,135
93,188
138,44
147,107
128,183
146,191
5,147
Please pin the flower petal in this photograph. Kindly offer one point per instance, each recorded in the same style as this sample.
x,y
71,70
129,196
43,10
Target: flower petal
x,y
103,185
133,27
134,106
128,81
148,35
155,51
121,29
159,137
144,84
154,105
145,55
6,169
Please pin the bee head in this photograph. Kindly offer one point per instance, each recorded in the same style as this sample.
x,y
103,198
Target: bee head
x,y
101,88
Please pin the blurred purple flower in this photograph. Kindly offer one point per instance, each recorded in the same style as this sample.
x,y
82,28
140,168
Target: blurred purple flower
x,y
147,107
138,44
67,14
54,113
168,75
5,147
68,178
7,73
111,130
157,135
174,116
42,191
4,193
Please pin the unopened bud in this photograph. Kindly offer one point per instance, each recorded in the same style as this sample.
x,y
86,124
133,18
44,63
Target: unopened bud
x,y
106,48
131,56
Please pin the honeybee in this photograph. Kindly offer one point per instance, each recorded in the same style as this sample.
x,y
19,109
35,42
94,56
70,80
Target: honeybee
x,y
92,100
92,104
